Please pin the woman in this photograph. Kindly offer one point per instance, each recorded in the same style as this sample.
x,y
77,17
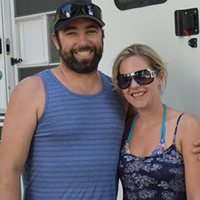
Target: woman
x,y
156,161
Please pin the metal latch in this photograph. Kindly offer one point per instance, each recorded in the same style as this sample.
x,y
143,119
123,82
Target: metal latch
x,y
7,46
15,61
193,42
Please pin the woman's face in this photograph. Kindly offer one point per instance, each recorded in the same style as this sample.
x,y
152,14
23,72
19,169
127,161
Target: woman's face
x,y
138,95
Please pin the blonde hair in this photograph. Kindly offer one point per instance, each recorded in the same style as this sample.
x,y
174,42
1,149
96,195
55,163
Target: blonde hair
x,y
146,52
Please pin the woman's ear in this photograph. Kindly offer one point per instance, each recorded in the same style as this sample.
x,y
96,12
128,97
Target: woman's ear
x,y
55,41
161,77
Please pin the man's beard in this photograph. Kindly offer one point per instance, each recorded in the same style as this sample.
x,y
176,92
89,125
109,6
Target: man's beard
x,y
85,66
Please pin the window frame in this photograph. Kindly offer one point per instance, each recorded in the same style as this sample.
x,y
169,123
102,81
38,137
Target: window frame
x,y
130,4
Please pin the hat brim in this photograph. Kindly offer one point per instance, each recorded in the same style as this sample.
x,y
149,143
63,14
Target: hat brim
x,y
63,22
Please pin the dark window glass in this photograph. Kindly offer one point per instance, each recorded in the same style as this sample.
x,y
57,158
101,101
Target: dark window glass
x,y
29,7
128,4
29,71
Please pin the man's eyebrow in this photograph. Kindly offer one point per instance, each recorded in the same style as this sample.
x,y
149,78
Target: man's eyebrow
x,y
93,26
69,28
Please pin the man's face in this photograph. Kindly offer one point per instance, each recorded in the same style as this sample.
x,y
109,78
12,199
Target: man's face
x,y
81,45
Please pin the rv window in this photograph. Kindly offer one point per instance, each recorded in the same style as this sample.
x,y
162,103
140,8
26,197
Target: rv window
x,y
30,71
30,7
128,4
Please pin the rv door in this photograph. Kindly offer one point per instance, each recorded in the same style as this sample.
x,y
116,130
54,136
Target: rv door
x,y
6,72
34,50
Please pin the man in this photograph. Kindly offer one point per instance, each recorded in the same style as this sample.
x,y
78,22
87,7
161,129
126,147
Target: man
x,y
63,127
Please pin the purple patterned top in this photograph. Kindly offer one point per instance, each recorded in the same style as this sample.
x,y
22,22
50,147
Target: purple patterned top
x,y
159,176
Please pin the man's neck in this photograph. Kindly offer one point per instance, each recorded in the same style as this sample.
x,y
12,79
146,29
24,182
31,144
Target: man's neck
x,y
86,84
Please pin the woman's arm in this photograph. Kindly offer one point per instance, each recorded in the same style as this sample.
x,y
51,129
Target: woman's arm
x,y
188,133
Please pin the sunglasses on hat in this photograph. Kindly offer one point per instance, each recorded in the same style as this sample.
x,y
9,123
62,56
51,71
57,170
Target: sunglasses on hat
x,y
68,12
142,77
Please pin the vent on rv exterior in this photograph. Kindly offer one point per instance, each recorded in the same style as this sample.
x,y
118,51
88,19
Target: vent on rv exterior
x,y
128,4
186,22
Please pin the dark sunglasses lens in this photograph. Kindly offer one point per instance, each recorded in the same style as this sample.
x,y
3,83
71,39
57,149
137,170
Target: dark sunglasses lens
x,y
123,83
66,12
143,80
96,11
143,77
69,10
93,10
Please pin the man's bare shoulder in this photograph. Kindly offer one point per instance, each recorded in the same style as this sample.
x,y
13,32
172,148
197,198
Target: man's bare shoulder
x,y
29,83
28,94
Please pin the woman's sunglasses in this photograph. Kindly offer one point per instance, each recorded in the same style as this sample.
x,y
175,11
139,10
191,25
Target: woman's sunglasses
x,y
142,77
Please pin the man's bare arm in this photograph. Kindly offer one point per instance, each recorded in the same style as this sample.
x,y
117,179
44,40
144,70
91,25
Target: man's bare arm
x,y
18,129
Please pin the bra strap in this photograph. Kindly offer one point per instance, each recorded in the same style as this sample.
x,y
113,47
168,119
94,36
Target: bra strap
x,y
162,135
177,126
130,133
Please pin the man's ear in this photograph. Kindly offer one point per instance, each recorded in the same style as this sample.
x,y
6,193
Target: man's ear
x,y
55,41
103,33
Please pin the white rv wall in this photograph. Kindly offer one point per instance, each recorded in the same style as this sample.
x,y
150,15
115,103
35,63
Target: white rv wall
x,y
154,25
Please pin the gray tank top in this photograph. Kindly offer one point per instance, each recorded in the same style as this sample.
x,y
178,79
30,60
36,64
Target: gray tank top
x,y
74,153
